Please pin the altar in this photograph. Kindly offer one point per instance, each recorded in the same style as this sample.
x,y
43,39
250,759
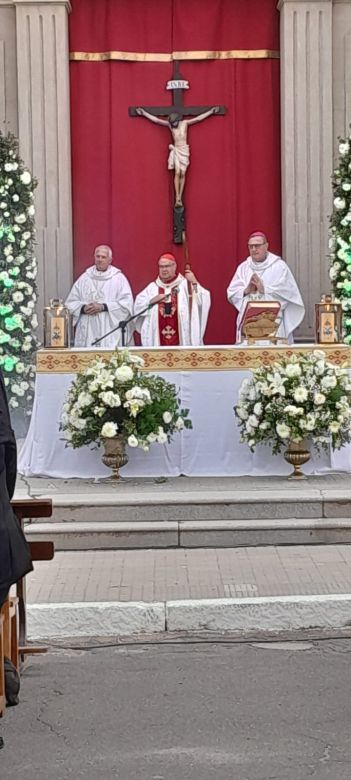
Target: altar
x,y
208,379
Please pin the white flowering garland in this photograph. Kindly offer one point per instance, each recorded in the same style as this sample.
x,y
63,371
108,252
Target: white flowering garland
x,y
300,397
340,234
18,270
113,396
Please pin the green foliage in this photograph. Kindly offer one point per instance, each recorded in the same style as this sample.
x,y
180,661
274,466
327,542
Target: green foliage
x,y
18,270
340,234
115,396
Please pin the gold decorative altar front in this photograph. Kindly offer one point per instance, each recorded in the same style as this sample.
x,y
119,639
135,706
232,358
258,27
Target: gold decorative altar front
x,y
236,358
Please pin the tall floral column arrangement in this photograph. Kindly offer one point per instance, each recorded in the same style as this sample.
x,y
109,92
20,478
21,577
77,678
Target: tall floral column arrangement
x,y
18,270
340,234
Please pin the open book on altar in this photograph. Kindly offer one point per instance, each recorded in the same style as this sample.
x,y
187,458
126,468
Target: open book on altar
x,y
260,320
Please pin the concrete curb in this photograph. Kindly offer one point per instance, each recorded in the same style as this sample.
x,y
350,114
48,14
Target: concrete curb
x,y
277,613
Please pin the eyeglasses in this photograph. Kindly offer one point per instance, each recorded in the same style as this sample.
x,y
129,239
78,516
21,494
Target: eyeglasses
x,y
162,267
256,246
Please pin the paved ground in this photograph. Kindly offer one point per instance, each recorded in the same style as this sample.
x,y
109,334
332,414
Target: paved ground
x,y
187,712
162,575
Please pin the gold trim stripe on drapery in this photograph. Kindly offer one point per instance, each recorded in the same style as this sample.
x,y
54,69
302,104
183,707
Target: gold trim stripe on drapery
x,y
132,56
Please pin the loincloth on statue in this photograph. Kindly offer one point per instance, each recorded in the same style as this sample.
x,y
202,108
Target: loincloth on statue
x,y
179,158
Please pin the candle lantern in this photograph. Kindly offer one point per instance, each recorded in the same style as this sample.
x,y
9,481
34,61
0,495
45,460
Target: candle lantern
x,y
328,321
57,325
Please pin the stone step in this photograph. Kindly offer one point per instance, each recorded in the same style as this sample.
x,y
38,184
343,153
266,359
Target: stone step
x,y
211,506
189,533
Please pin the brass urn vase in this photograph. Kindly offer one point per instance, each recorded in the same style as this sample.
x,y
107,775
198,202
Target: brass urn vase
x,y
114,456
297,454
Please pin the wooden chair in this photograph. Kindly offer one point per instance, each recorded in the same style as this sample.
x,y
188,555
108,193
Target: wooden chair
x,y
29,508
11,630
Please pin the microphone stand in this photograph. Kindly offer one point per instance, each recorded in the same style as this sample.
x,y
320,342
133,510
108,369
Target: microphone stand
x,y
122,325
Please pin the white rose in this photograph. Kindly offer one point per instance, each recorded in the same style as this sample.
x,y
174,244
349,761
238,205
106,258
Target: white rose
x,y
8,167
179,424
253,421
110,399
258,409
25,177
151,437
109,430
344,148
329,382
17,297
334,426
132,441
15,198
293,369
339,203
319,399
84,399
20,219
162,438
283,430
124,373
31,211
167,417
300,394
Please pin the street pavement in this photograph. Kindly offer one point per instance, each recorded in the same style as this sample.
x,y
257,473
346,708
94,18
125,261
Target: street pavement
x,y
188,711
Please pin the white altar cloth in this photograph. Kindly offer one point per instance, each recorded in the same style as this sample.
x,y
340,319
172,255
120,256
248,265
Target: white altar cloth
x,y
211,448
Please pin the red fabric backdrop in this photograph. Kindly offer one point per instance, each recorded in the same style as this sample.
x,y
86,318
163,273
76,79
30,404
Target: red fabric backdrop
x,y
122,191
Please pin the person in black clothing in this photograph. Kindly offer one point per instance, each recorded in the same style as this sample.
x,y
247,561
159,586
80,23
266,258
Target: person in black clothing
x,y
15,559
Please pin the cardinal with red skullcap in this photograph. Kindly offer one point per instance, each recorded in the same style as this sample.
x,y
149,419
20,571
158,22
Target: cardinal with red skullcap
x,y
266,276
173,310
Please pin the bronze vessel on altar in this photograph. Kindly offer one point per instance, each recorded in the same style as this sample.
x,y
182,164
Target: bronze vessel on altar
x,y
297,454
114,456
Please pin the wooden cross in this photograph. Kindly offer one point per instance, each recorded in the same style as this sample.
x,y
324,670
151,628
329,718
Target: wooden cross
x,y
178,106
179,110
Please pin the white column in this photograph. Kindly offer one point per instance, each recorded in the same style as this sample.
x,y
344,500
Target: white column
x,y
341,70
306,144
8,70
44,135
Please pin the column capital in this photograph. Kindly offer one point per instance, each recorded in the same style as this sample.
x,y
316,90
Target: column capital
x,y
15,3
305,3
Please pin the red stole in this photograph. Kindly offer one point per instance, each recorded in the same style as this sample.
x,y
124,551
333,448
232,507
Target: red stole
x,y
168,323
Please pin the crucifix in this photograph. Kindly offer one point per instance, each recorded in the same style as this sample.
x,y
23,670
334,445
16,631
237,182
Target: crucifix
x,y
179,151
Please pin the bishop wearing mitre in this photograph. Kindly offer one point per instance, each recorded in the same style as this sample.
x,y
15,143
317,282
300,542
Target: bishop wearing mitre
x,y
173,309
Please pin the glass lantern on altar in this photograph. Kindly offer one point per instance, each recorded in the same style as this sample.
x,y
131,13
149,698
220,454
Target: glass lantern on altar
x,y
328,320
57,325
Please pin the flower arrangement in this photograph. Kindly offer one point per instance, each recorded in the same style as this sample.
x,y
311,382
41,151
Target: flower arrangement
x,y
340,234
303,396
18,269
114,396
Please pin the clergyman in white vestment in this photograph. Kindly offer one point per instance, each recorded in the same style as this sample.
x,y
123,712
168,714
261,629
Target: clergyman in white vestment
x,y
266,276
99,300
178,319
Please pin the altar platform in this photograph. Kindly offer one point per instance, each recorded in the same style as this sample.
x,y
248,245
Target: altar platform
x,y
208,380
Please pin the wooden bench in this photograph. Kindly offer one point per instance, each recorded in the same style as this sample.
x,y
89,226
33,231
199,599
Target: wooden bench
x,y
13,639
29,508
